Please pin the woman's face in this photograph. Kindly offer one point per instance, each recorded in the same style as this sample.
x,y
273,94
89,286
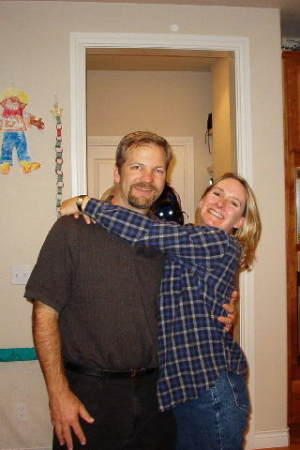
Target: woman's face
x,y
223,205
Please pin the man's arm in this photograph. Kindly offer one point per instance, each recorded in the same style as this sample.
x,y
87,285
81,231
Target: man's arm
x,y
65,407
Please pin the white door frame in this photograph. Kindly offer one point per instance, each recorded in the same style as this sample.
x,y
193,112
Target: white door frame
x,y
79,42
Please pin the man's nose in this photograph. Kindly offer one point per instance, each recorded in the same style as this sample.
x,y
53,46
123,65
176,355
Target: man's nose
x,y
147,176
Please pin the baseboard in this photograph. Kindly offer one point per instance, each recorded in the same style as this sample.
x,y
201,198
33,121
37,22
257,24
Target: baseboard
x,y
261,439
269,439
35,448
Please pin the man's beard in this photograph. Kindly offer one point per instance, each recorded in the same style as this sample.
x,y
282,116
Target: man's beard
x,y
141,202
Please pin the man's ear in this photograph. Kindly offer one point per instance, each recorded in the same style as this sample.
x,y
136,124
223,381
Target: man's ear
x,y
239,223
116,175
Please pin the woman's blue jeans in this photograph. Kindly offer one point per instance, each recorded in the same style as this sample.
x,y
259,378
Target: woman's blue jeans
x,y
218,419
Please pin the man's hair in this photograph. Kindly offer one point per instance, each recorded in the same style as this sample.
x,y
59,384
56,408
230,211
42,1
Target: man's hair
x,y
249,233
138,138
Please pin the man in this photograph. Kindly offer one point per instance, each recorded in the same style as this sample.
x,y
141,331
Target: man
x,y
94,318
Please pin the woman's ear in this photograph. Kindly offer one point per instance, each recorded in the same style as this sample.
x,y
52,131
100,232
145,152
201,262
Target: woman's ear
x,y
239,223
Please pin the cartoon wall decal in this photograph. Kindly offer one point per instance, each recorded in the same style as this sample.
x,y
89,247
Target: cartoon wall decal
x,y
14,122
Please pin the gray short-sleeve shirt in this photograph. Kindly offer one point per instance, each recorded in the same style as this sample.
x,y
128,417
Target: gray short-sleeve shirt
x,y
106,293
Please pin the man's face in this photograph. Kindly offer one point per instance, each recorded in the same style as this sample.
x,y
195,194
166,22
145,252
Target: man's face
x,y
141,178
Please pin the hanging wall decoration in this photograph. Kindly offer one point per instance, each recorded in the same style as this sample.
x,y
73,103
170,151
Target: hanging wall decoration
x,y
14,122
57,113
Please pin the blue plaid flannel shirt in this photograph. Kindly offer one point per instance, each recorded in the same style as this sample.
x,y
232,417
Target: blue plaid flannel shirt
x,y
199,276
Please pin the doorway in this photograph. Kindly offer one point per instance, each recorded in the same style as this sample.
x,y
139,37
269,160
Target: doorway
x,y
239,46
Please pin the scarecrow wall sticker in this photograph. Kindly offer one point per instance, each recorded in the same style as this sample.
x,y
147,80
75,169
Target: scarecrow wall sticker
x,y
14,122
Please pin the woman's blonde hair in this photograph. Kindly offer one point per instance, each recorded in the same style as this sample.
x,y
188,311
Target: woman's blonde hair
x,y
249,233
109,193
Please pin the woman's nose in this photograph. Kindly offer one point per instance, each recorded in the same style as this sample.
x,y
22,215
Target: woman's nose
x,y
221,202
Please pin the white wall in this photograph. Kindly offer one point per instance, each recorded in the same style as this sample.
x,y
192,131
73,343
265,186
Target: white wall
x,y
34,47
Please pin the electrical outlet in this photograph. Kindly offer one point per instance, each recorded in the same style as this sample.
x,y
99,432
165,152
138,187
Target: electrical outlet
x,y
20,274
21,412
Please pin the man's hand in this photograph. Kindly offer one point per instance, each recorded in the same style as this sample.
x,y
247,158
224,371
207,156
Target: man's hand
x,y
69,208
65,410
231,309
65,407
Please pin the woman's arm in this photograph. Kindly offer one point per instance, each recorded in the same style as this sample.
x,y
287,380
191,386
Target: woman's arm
x,y
197,245
136,228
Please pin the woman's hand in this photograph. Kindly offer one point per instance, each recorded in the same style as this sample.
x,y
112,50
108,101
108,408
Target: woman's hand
x,y
69,207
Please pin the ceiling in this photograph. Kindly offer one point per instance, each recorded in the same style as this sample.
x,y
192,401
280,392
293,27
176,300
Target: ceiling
x,y
290,9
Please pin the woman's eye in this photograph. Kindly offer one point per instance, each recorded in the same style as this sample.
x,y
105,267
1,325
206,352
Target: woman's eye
x,y
216,193
160,170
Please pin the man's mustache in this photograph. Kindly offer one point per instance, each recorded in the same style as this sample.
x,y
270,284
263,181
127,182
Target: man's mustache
x,y
144,185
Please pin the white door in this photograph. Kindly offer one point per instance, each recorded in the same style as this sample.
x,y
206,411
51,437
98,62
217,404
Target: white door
x,y
101,162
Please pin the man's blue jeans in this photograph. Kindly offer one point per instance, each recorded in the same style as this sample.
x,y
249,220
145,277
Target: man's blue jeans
x,y
218,419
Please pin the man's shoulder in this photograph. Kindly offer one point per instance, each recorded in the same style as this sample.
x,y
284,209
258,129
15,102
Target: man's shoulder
x,y
91,234
70,221
70,225
67,228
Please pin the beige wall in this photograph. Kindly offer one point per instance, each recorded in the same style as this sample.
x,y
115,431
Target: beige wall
x,y
168,103
34,47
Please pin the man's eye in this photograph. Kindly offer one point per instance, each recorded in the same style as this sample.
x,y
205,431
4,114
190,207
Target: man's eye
x,y
135,167
216,193
160,170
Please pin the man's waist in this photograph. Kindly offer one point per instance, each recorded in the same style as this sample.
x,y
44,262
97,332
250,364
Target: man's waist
x,y
110,374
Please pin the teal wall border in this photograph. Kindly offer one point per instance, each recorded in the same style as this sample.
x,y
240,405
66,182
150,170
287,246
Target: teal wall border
x,y
17,354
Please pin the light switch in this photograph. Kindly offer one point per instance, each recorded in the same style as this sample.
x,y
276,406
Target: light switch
x,y
20,274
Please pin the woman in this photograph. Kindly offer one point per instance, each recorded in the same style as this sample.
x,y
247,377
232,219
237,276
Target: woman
x,y
202,370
